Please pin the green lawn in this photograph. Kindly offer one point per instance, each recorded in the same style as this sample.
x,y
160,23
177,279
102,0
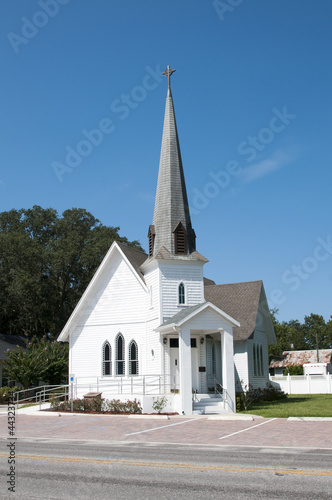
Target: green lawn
x,y
295,405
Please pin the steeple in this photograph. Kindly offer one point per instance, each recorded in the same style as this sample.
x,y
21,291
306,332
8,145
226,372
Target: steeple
x,y
171,219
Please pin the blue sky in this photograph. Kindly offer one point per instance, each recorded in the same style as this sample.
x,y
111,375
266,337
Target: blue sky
x,y
82,116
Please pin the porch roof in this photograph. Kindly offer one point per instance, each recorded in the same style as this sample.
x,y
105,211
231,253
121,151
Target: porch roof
x,y
190,312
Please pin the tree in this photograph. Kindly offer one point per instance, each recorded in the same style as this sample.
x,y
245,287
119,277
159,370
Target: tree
x,y
296,336
46,262
40,360
315,332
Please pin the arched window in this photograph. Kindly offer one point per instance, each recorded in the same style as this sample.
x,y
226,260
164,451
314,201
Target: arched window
x,y
182,296
133,358
107,359
120,354
255,359
261,357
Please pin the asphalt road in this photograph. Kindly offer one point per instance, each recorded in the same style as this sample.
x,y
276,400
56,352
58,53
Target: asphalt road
x,y
63,469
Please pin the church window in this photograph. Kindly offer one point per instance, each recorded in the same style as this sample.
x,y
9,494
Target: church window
x,y
133,358
255,360
120,352
182,295
180,240
107,359
261,358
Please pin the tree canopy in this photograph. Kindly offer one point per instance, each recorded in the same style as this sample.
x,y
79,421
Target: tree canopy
x,y
46,262
40,360
292,335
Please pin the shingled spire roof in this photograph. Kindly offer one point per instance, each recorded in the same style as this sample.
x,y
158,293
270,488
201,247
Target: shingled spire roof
x,y
171,220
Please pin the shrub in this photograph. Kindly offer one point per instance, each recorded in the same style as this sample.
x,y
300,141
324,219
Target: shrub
x,y
159,404
6,393
97,405
294,370
249,395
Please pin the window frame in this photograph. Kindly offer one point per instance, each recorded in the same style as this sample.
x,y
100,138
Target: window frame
x,y
182,294
132,344
120,361
108,361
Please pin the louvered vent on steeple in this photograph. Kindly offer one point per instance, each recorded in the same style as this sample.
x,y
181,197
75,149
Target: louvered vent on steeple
x,y
151,236
180,240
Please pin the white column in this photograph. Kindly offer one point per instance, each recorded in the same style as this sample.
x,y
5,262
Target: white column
x,y
185,370
228,375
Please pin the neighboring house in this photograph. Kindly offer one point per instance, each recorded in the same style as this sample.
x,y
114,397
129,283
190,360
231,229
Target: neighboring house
x,y
153,321
7,343
313,363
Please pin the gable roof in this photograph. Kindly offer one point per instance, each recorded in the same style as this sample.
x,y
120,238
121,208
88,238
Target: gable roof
x,y
133,257
189,312
240,301
299,358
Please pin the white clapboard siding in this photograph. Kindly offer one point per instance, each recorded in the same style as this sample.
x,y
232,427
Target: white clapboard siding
x,y
191,275
241,364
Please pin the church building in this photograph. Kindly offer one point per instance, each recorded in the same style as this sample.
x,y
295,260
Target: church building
x,y
150,325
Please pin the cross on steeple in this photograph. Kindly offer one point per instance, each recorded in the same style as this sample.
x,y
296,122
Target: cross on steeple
x,y
168,72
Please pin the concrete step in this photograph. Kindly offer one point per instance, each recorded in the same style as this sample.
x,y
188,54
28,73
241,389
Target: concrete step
x,y
208,405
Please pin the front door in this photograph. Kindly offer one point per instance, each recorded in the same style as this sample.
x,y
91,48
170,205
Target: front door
x,y
175,367
175,364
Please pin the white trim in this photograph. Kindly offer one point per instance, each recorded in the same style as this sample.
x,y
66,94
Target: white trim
x,y
207,305
185,303
70,325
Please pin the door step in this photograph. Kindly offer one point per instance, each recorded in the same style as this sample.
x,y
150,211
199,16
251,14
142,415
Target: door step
x,y
208,404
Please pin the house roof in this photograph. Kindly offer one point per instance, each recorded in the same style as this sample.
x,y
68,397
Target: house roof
x,y
8,341
135,257
240,301
171,204
208,282
299,358
181,315
165,254
189,312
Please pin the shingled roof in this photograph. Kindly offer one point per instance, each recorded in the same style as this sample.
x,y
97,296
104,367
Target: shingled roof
x,y
171,205
240,301
135,257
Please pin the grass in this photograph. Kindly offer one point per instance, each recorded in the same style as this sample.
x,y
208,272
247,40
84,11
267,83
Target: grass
x,y
295,405
27,405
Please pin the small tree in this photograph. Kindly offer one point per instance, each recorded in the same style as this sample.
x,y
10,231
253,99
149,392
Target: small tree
x,y
41,360
159,404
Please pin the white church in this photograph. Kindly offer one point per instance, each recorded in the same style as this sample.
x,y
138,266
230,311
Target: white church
x,y
151,325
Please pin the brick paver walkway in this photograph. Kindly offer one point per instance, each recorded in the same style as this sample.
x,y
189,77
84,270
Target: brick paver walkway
x,y
200,430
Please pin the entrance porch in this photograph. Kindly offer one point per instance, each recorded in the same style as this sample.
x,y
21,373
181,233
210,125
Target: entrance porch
x,y
198,353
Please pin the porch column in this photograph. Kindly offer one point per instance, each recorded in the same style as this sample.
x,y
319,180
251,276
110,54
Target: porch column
x,y
228,376
185,370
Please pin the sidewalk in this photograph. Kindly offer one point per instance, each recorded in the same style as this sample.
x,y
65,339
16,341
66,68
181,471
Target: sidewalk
x,y
251,431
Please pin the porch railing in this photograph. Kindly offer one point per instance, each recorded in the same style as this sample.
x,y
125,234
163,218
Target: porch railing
x,y
134,385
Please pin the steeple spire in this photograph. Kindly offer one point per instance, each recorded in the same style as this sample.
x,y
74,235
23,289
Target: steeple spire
x,y
171,220
168,72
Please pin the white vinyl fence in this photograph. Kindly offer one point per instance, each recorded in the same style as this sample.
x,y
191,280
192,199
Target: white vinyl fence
x,y
303,384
